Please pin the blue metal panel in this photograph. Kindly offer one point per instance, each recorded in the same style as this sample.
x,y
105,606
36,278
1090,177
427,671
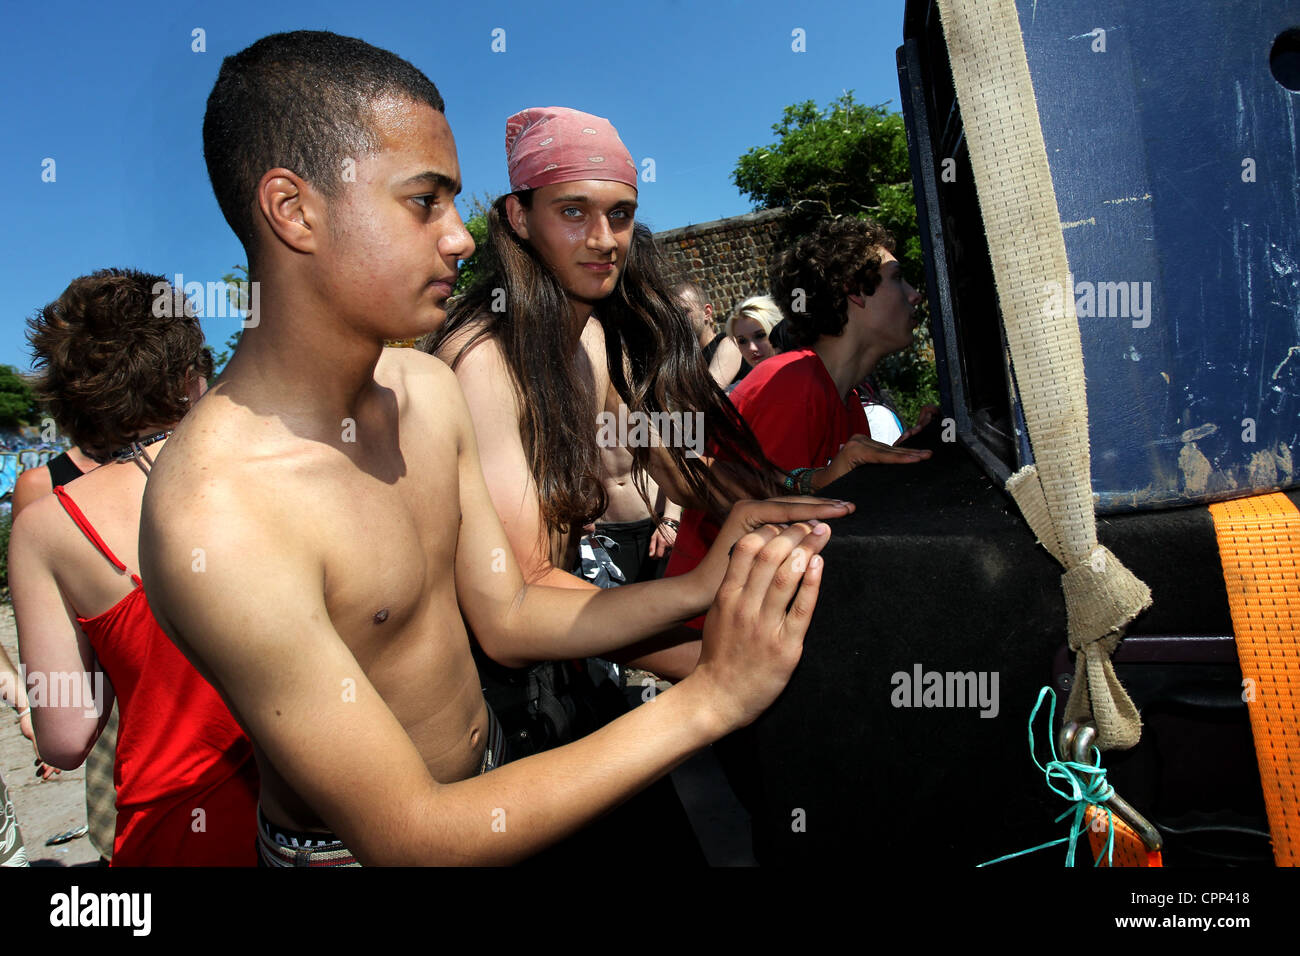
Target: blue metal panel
x,y
1173,154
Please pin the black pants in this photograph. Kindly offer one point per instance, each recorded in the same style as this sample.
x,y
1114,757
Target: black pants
x,y
633,552
650,827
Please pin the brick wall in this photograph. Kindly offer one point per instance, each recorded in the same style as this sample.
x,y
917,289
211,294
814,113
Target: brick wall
x,y
727,258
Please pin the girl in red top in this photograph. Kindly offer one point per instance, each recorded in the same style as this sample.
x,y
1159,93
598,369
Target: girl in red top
x,y
122,361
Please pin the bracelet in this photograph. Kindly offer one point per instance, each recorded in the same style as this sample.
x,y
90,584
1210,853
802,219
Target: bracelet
x,y
24,713
671,522
801,480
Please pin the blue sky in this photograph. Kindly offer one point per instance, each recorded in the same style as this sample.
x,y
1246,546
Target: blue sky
x,y
114,95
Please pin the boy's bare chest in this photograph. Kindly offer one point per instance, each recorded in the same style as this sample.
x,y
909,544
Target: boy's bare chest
x,y
389,545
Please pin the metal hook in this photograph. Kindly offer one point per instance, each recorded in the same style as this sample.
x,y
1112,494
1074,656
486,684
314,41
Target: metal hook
x,y
1076,742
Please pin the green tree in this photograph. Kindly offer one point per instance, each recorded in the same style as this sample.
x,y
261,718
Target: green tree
x,y
232,280
849,159
17,402
476,223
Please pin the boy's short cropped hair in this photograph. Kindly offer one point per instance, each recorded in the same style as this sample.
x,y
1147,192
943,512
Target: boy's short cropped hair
x,y
301,101
813,279
113,355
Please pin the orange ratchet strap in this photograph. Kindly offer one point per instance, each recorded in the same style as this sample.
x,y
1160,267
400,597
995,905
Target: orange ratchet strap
x,y
1259,545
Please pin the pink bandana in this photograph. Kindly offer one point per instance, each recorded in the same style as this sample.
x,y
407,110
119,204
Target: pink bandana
x,y
554,144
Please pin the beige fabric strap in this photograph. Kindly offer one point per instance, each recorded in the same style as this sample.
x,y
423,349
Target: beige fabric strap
x,y
1014,183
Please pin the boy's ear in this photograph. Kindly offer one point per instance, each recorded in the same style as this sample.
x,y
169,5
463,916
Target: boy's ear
x,y
517,216
291,209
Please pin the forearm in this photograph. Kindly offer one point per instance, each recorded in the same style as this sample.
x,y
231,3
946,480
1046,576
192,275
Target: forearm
x,y
671,655
515,811
550,623
68,712
821,477
12,691
731,482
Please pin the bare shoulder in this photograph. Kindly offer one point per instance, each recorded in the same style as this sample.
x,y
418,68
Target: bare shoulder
x,y
227,488
475,354
37,525
483,376
31,485
413,374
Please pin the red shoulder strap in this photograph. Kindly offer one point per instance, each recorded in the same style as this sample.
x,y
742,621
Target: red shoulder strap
x,y
88,530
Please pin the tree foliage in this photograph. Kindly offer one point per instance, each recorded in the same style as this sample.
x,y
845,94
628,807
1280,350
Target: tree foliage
x,y
17,401
849,159
219,359
476,223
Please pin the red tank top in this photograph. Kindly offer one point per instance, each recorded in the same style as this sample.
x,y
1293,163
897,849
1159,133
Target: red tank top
x,y
185,776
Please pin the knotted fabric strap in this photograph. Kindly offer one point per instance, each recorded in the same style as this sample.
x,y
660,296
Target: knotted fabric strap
x,y
1018,204
1259,547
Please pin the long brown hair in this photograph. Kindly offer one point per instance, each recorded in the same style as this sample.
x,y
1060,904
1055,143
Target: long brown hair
x,y
665,372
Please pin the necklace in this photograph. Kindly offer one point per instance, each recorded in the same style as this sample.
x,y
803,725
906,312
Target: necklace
x,y
133,450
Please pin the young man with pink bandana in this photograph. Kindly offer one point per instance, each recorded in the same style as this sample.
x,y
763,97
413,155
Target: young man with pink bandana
x,y
571,284
573,316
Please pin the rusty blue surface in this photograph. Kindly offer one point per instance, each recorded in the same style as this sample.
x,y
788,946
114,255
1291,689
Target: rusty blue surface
x,y
1173,154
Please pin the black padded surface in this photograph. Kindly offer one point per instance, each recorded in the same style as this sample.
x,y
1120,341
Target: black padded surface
x,y
937,568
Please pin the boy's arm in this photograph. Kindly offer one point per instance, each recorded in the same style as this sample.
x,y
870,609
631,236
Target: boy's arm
x,y
484,382
54,649
518,623
255,624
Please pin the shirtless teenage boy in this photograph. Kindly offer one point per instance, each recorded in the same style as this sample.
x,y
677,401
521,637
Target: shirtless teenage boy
x,y
319,522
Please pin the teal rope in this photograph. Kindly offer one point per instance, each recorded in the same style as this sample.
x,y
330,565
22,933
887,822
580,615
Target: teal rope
x,y
1086,785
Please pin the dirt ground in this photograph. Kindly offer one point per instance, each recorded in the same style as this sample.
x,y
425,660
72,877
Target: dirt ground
x,y
44,807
